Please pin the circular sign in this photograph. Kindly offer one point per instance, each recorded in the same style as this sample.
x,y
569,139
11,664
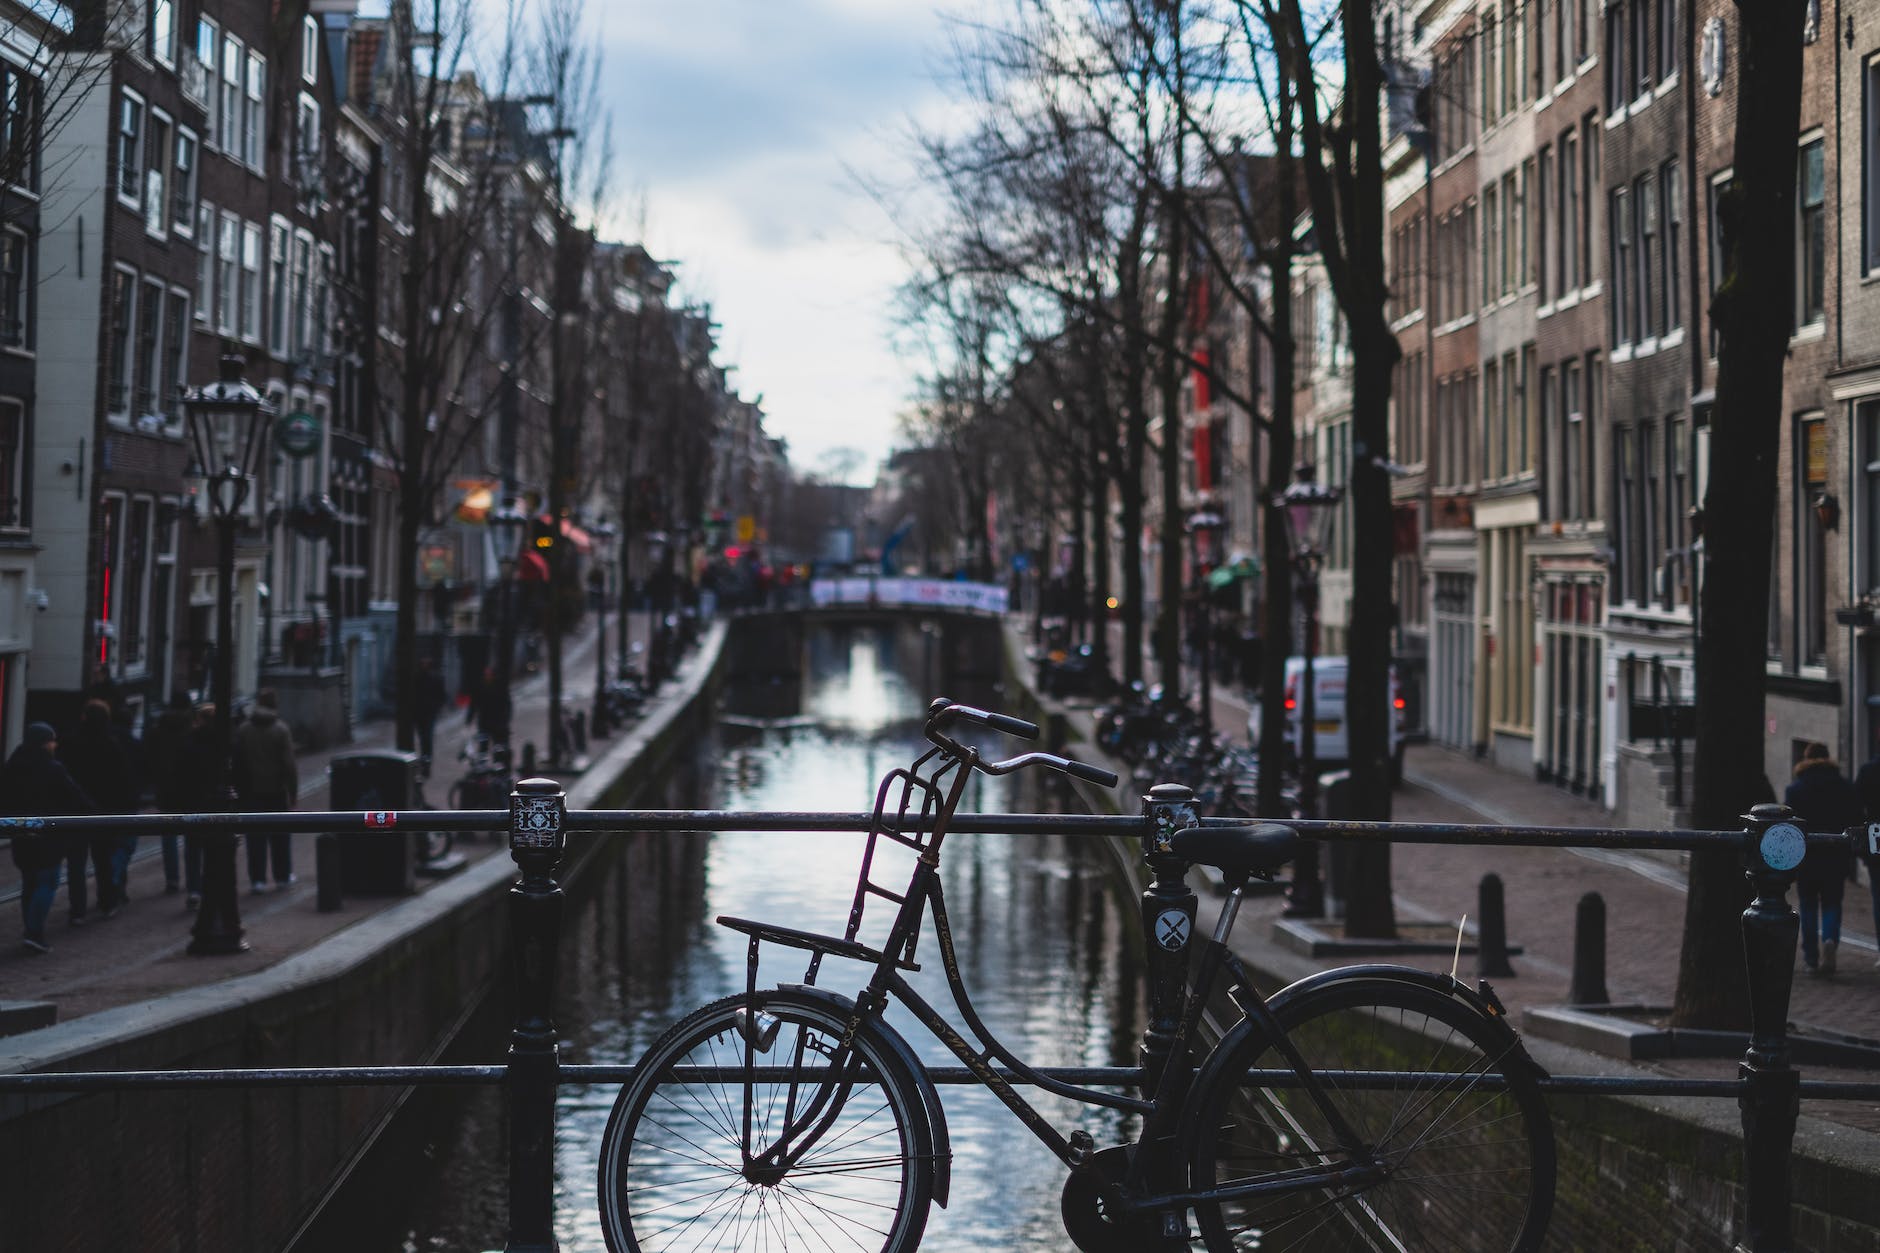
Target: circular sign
x,y
297,434
1783,846
1171,929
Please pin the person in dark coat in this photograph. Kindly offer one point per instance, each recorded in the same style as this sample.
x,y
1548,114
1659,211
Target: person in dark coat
x,y
1823,800
429,702
163,755
490,709
192,789
267,780
32,785
99,765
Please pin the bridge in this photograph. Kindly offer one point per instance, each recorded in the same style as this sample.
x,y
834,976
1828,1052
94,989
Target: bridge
x,y
953,628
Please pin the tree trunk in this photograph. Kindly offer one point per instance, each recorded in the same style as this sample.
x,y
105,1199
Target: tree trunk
x,y
1739,506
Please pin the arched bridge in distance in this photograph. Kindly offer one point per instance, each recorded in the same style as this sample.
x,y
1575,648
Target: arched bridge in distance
x,y
954,625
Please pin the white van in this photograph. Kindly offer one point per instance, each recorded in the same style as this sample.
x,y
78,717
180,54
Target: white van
x,y
1329,745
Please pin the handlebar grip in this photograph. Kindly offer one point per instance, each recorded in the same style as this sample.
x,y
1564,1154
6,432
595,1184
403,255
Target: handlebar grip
x,y
1012,726
1090,774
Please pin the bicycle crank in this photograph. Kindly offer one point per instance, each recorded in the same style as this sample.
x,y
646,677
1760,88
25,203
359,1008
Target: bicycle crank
x,y
1093,1215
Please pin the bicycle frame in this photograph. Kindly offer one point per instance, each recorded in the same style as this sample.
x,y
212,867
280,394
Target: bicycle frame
x,y
1160,1112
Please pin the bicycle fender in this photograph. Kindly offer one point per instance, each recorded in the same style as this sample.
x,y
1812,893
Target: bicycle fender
x,y
1481,999
929,1095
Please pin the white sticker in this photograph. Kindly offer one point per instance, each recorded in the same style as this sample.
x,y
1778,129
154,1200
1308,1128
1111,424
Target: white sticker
x,y
1171,929
1873,838
1783,846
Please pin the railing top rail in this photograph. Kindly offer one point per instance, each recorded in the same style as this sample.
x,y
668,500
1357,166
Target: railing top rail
x,y
655,820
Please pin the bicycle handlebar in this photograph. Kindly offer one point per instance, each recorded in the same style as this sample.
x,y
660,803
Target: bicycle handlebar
x,y
943,711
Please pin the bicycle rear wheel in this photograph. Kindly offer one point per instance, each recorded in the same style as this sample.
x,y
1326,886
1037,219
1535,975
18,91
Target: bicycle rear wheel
x,y
1468,1147
672,1164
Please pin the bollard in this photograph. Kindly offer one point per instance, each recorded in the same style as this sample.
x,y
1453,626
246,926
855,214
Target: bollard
x,y
1491,929
577,727
528,757
537,837
1770,1097
327,873
1589,953
1168,923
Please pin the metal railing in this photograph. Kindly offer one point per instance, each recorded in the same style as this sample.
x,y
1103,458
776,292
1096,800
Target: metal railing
x,y
1767,1086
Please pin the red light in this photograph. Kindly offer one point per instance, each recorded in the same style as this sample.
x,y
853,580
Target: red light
x,y
1291,703
1399,702
731,554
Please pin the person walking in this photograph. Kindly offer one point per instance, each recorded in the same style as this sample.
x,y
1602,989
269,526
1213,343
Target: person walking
x,y
1824,800
490,709
192,789
163,755
267,780
430,698
97,762
32,785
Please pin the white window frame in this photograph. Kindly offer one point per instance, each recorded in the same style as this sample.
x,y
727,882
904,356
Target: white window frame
x,y
1870,164
227,272
121,415
183,188
229,102
322,296
15,490
307,139
146,283
205,263
300,295
132,138
175,355
158,164
28,258
1815,324
280,232
255,112
310,49
163,32
250,282
208,56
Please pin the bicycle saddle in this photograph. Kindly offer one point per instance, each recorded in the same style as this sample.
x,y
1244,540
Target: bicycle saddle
x,y
1237,851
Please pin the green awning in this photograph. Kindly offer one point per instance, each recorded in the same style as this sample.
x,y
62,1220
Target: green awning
x,y
1222,576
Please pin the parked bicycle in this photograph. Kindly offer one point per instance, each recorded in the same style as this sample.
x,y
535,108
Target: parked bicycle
x,y
1375,1107
487,777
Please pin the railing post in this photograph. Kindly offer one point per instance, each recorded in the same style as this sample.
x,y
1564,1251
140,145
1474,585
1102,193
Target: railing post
x,y
1168,923
537,836
1773,847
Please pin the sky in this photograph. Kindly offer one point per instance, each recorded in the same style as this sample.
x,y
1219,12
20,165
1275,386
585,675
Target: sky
x,y
739,129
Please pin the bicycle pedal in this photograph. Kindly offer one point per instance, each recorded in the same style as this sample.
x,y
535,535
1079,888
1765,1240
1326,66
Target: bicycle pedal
x,y
1081,1147
1174,1225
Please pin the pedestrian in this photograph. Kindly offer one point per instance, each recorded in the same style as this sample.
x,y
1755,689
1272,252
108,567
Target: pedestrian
x,y
267,780
429,702
1823,800
163,756
33,785
193,788
96,760
490,709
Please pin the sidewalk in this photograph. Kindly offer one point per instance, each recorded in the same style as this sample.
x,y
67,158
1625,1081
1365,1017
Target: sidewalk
x,y
140,953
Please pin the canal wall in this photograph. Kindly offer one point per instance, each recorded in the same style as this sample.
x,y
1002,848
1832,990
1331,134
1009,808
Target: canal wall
x,y
1635,1173
245,1170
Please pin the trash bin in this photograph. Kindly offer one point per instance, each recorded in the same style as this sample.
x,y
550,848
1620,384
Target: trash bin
x,y
376,862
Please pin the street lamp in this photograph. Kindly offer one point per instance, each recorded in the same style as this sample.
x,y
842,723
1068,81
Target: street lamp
x,y
1203,525
507,522
1308,507
228,421
602,534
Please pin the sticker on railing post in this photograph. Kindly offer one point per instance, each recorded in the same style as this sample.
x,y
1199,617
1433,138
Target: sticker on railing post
x,y
535,821
1873,839
1783,846
381,818
1171,929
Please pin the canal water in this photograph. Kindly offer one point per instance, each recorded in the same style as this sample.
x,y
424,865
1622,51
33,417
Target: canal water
x,y
1041,925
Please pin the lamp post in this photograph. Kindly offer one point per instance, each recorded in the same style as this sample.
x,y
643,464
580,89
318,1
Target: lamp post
x,y
1203,524
507,523
1308,507
228,422
602,533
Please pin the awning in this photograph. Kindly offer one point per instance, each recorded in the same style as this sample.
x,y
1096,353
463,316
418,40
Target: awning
x,y
1222,576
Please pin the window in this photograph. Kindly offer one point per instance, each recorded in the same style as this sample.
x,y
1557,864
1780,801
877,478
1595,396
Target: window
x,y
1543,253
255,112
1524,414
1616,77
229,121
322,282
228,254
175,356
1810,235
157,158
300,294
208,42
163,32
307,139
1524,256
1645,209
110,567
1640,53
149,328
1590,179
1494,438
118,367
130,183
1490,48
310,49
1719,259
183,185
1564,60
1667,39
205,263
1811,556
133,625
16,285
1627,551
1576,442
19,128
1870,165
251,283
1569,212
12,463
1678,512
1672,195
1867,420
1619,243
1553,450
277,286
1491,243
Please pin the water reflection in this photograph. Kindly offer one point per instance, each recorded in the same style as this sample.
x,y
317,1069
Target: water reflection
x,y
1041,938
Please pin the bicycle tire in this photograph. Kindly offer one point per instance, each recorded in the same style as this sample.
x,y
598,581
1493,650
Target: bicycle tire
x,y
664,1135
1471,1170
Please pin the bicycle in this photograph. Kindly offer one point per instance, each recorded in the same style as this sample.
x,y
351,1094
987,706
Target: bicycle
x,y
1373,1107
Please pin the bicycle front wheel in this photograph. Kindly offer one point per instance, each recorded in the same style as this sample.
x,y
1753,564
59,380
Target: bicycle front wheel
x,y
675,1170
1435,1098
